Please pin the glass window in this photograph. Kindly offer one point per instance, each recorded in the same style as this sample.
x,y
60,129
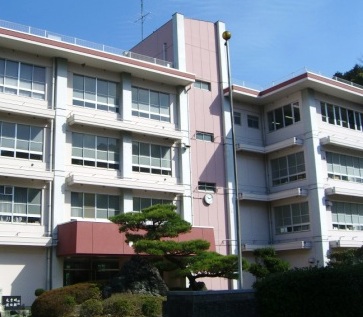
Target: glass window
x,y
284,116
22,79
253,122
94,206
150,104
19,204
151,158
97,151
237,118
207,187
292,218
140,203
202,85
347,216
204,136
95,93
288,168
21,141
344,167
340,116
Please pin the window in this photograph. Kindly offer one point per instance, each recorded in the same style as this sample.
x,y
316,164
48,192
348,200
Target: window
x,y
22,79
202,85
21,141
347,216
95,93
292,218
142,203
150,104
237,118
151,158
344,167
207,187
94,206
283,117
19,204
204,136
97,151
288,168
253,122
340,116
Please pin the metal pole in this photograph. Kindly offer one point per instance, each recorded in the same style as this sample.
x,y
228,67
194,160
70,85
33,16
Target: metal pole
x,y
226,36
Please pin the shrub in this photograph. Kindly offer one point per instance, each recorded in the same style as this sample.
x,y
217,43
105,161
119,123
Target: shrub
x,y
312,292
39,291
91,307
118,306
151,307
61,301
133,305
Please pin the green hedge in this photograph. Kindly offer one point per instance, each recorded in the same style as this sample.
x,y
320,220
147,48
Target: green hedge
x,y
332,292
61,301
133,305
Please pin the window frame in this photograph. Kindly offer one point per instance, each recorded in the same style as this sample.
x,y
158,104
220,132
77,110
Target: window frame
x,y
292,218
253,121
344,167
282,117
96,161
82,97
204,136
24,146
15,82
143,105
347,216
21,208
204,85
207,187
288,168
148,154
91,202
237,118
145,202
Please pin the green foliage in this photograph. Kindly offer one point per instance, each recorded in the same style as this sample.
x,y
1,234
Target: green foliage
x,y
332,292
133,305
151,308
152,223
266,263
91,307
150,231
61,301
354,75
345,257
39,291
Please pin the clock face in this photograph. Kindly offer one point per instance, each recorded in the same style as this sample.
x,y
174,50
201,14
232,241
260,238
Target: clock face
x,y
208,198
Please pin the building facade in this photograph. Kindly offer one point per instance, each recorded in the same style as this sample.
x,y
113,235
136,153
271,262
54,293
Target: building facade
x,y
89,131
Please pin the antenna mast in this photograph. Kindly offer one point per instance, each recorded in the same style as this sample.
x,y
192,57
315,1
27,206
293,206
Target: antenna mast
x,y
142,19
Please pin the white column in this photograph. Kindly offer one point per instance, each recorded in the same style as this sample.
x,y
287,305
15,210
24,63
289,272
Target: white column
x,y
316,178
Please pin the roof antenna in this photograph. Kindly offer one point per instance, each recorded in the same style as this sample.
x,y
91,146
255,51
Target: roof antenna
x,y
142,19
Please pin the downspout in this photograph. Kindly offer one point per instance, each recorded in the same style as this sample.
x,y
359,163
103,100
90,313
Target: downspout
x,y
50,192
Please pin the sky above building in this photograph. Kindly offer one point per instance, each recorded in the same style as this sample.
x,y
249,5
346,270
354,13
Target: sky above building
x,y
272,40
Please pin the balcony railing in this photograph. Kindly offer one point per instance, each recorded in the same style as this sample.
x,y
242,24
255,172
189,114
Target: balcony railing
x,y
83,43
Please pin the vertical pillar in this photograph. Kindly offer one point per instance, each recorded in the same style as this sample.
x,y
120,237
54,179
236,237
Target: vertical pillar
x,y
59,157
313,162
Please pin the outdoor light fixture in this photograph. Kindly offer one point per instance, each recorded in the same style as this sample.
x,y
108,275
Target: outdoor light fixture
x,y
226,35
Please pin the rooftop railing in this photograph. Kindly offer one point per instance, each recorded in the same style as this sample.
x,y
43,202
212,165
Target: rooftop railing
x,y
79,42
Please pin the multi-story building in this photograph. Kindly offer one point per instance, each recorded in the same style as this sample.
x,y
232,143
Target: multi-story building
x,y
89,131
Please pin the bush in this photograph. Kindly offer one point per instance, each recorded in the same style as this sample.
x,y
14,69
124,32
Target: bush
x,y
91,307
151,307
133,305
39,291
61,301
315,291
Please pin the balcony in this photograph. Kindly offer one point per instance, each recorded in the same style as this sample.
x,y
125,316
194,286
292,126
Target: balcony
x,y
291,142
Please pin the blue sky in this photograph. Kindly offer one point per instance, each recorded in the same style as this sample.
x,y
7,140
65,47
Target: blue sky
x,y
271,39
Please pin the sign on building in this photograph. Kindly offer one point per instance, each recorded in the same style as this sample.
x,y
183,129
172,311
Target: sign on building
x,y
11,302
